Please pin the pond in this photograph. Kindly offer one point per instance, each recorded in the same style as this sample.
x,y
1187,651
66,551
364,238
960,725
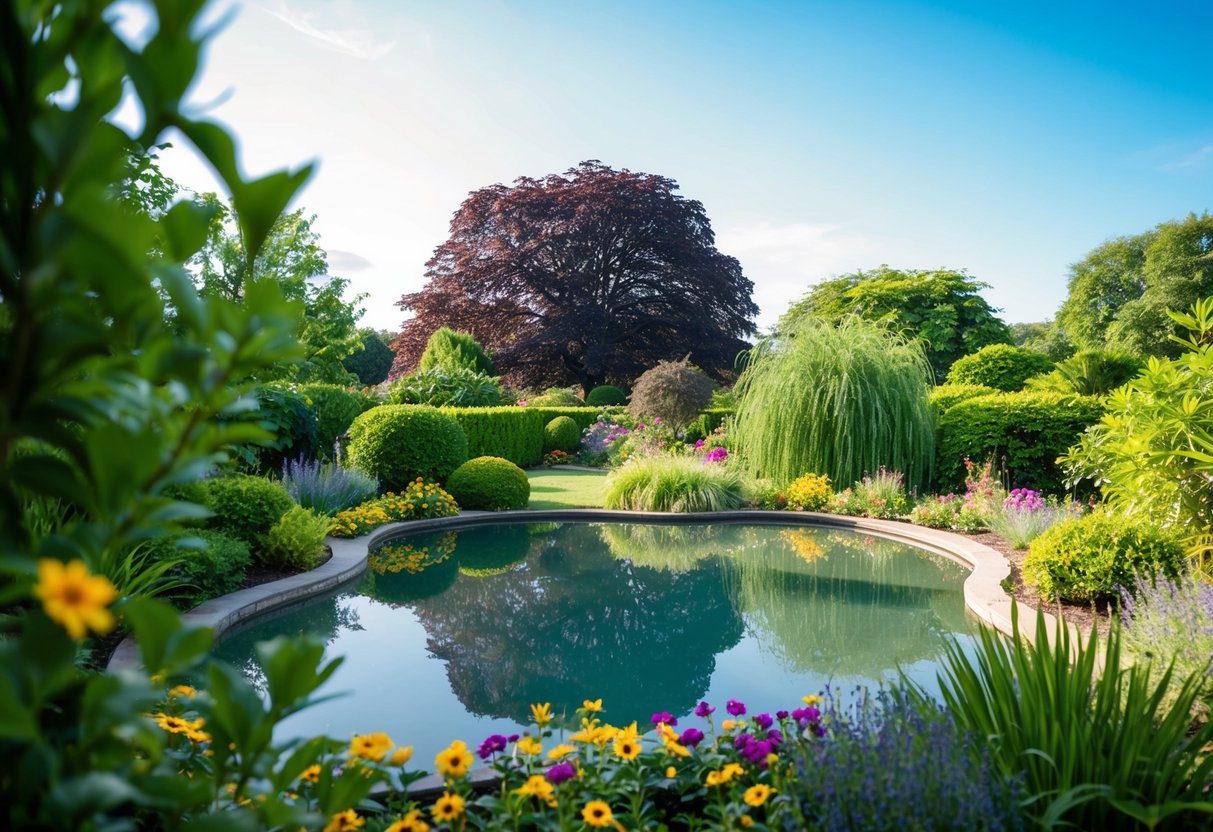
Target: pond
x,y
455,634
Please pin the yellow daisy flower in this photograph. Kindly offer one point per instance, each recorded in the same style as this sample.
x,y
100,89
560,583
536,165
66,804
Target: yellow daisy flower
x,y
74,598
370,746
454,760
597,813
757,795
447,808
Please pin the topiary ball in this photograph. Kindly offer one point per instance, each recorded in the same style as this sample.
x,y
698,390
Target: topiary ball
x,y
561,434
489,483
244,506
606,395
400,442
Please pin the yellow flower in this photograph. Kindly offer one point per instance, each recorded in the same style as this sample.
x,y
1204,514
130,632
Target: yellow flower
x,y
454,760
74,598
371,746
183,690
746,821
538,786
172,724
411,822
447,808
712,779
811,700
195,735
592,706
530,746
757,795
671,772
542,713
626,747
730,724
677,749
597,813
311,774
725,775
347,821
401,755
560,751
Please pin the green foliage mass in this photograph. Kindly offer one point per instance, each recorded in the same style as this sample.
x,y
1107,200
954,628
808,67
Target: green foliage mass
x,y
245,507
556,397
1152,453
1087,558
605,395
946,396
371,360
451,350
561,434
583,416
335,408
1000,366
513,433
839,400
287,415
489,483
447,387
397,443
1023,433
210,570
1089,373
296,541
944,309
705,424
1047,337
673,391
1120,293
677,484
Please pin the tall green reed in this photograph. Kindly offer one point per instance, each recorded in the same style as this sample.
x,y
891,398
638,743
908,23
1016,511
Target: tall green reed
x,y
673,483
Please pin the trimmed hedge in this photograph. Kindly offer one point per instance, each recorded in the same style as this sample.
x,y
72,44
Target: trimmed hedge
x,y
946,396
583,416
703,425
513,433
561,434
1001,366
1029,430
605,395
400,442
489,483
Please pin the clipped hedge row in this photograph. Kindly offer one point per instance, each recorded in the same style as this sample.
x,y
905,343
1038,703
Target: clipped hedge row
x,y
946,396
1029,430
513,433
583,416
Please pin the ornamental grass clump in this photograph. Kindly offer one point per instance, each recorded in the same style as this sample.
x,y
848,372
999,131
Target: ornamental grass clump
x,y
420,500
1024,516
840,400
671,483
327,487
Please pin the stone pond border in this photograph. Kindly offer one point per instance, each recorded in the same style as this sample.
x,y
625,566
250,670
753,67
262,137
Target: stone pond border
x,y
983,592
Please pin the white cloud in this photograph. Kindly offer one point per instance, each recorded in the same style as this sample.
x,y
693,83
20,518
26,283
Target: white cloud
x,y
358,42
347,261
1196,160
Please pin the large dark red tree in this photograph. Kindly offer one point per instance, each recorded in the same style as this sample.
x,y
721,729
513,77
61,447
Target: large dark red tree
x,y
586,277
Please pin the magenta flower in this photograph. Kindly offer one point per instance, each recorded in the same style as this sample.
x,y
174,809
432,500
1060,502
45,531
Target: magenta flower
x,y
781,714
491,745
716,455
703,710
663,716
763,721
735,708
691,737
561,772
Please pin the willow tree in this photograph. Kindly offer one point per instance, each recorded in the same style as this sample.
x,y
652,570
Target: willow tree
x,y
840,399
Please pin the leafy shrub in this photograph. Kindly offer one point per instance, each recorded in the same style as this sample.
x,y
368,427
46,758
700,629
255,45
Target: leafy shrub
x,y
680,484
214,568
1086,558
372,359
880,495
654,438
335,408
1171,621
706,423
399,443
583,416
1000,366
1028,431
245,507
673,391
286,414
557,397
561,434
489,483
511,433
1089,373
946,396
296,541
1023,516
605,395
948,511
327,487
812,492
451,350
838,400
420,500
446,387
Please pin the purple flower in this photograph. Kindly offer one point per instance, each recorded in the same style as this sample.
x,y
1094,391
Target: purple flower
x,y
698,444
734,707
781,714
703,709
716,455
491,745
691,737
513,738
742,740
561,772
664,716
763,721
757,751
774,737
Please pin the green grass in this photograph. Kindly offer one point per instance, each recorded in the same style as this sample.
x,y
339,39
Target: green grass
x,y
557,488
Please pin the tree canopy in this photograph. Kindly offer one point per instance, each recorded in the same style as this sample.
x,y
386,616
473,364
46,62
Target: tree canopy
x,y
589,276
1120,293
372,358
943,308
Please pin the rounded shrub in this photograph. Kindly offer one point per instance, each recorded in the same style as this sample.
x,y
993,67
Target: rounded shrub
x,y
1087,558
812,492
398,443
214,568
556,397
489,483
245,507
1000,366
561,434
946,396
335,408
606,395
673,391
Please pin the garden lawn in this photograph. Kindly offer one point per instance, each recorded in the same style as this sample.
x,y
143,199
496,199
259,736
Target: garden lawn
x,y
559,488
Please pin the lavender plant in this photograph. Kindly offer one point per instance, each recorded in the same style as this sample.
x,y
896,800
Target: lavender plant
x,y
1023,516
1167,620
326,487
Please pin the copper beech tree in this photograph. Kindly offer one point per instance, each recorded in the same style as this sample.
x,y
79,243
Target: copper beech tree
x,y
586,277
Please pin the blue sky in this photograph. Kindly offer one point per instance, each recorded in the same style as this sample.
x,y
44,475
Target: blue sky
x,y
1007,139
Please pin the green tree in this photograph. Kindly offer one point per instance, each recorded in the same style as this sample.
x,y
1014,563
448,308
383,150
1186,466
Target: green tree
x,y
372,359
943,308
1046,337
447,349
1120,293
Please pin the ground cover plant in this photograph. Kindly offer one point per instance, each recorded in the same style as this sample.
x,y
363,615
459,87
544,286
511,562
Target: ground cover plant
x,y
566,489
419,500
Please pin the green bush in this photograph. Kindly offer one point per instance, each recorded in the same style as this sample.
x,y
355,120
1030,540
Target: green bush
x,y
489,483
1000,366
1087,558
245,507
214,569
397,443
513,433
1027,430
605,395
446,387
947,396
1089,373
705,424
286,414
296,541
583,416
670,483
557,397
451,350
673,391
372,360
561,434
335,408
